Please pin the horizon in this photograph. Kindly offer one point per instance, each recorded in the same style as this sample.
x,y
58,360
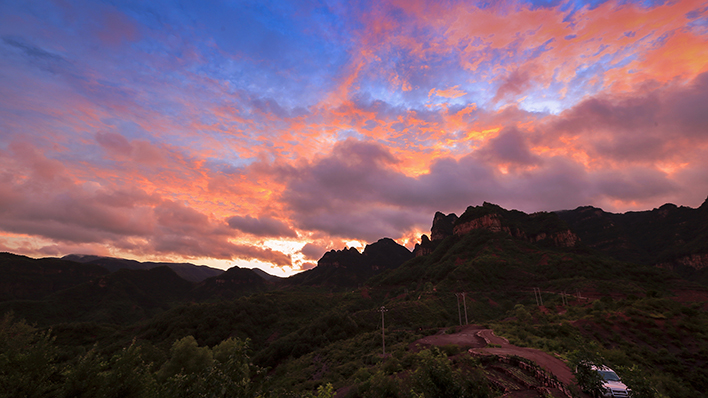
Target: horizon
x,y
264,134
285,275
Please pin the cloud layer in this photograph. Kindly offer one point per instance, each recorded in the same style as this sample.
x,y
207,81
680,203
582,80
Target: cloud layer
x,y
269,134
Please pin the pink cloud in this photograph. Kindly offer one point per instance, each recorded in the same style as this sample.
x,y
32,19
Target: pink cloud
x,y
312,251
452,92
514,85
37,164
114,143
262,226
662,123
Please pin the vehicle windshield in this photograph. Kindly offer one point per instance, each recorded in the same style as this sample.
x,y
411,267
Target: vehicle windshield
x,y
609,375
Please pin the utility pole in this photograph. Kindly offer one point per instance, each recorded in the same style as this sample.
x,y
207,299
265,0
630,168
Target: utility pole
x,y
383,337
537,294
459,315
465,304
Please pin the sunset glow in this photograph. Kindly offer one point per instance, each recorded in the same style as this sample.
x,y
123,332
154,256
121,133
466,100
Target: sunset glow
x,y
265,133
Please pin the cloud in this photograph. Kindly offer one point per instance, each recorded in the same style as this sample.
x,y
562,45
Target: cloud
x,y
661,123
510,146
35,162
52,206
306,266
37,56
114,143
262,226
212,246
452,92
513,85
357,192
312,251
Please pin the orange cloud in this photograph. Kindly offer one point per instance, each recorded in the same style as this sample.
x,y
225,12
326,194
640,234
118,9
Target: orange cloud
x,y
452,92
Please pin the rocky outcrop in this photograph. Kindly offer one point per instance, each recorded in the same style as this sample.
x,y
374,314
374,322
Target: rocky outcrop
x,y
494,223
543,227
385,254
443,226
564,238
424,247
490,222
340,258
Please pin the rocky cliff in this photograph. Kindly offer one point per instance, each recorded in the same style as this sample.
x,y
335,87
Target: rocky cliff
x,y
542,227
539,227
443,225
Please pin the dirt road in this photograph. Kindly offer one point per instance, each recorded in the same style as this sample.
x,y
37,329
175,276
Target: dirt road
x,y
479,340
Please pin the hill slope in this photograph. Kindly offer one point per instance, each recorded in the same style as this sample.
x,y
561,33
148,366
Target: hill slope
x,y
28,278
123,296
672,237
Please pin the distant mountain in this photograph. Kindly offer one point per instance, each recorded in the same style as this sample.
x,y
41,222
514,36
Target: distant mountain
x,y
123,296
190,272
672,237
265,275
28,278
233,283
349,268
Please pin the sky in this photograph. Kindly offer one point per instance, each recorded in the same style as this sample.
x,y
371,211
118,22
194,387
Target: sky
x,y
265,133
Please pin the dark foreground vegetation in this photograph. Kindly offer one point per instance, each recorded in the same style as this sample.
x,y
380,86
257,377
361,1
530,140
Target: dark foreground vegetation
x,y
150,333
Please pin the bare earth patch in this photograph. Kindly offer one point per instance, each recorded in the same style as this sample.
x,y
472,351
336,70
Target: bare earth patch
x,y
481,341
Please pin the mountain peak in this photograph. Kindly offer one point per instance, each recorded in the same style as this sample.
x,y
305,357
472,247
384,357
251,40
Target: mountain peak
x,y
348,267
442,226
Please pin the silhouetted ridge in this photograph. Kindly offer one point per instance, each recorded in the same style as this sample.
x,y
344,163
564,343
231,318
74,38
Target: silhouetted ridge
x,y
348,267
265,275
190,272
233,283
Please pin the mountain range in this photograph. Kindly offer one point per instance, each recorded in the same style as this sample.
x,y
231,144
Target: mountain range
x,y
633,285
670,237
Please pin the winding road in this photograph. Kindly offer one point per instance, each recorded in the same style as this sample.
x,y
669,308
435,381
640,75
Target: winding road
x,y
480,339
